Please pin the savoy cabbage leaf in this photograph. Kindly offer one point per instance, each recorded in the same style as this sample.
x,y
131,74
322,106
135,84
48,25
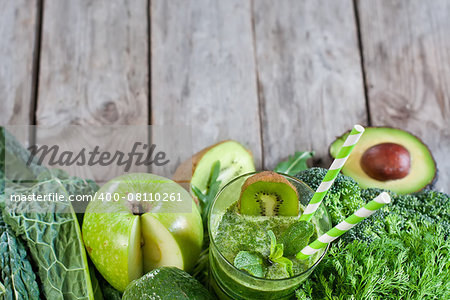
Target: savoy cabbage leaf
x,y
50,230
52,234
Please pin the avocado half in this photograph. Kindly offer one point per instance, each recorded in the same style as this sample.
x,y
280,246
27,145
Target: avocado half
x,y
422,169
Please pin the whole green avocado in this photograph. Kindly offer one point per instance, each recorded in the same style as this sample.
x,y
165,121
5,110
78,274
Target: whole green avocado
x,y
166,283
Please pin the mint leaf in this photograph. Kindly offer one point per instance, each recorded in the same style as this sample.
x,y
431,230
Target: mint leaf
x,y
286,263
276,254
276,250
251,262
296,237
273,241
295,163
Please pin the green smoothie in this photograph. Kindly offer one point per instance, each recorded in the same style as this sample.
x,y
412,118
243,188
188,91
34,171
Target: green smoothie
x,y
237,232
237,238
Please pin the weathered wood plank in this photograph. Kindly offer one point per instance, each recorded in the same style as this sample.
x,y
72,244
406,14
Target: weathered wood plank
x,y
203,71
18,27
309,72
94,68
406,47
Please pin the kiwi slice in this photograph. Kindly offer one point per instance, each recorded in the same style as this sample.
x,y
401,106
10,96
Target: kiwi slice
x,y
234,159
268,194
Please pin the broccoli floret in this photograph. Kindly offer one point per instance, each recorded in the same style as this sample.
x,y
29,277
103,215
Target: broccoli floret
x,y
426,207
343,198
403,214
433,204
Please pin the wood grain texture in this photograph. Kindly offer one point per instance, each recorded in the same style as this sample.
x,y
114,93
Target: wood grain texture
x,y
94,66
309,72
18,27
203,71
406,47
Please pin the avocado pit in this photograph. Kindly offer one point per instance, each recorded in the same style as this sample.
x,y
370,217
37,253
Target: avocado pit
x,y
386,161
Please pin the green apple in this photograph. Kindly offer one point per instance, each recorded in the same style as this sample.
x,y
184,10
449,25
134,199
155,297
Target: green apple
x,y
126,238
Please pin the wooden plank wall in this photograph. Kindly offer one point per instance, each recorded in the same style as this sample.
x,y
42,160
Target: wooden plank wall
x,y
93,72
310,79
18,46
277,78
203,71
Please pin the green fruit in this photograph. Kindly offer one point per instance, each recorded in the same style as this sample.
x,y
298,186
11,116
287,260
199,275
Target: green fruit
x,y
166,283
127,239
234,160
268,194
388,158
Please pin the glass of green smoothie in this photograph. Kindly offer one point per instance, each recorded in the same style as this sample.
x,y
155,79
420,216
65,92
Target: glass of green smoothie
x,y
233,233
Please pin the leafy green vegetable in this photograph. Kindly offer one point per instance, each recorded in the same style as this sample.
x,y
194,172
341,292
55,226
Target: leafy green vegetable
x,y
400,252
97,291
2,289
343,198
14,160
251,262
206,199
53,239
108,292
276,254
426,207
296,237
201,268
294,164
19,280
409,264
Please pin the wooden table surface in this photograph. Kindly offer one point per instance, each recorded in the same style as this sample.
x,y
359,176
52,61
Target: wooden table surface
x,y
278,76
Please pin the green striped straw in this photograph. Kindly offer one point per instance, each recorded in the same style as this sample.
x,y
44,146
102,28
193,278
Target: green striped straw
x,y
341,228
332,173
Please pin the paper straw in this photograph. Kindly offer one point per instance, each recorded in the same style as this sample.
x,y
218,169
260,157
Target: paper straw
x,y
332,172
341,228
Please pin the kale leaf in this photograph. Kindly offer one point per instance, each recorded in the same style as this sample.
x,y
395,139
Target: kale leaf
x,y
19,280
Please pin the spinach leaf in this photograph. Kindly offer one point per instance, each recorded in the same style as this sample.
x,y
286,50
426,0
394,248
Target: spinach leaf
x,y
294,163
